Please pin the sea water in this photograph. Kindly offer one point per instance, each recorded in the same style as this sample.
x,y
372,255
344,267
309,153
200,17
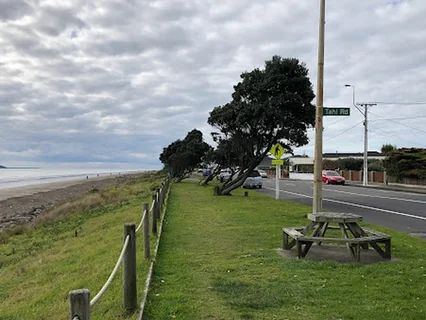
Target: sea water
x,y
18,177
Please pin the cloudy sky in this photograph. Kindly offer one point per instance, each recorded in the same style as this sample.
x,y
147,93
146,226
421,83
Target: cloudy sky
x,y
111,82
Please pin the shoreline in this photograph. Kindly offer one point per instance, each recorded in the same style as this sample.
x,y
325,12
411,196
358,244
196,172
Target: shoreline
x,y
21,205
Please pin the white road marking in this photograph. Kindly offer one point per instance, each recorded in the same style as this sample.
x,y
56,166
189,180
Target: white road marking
x,y
356,205
379,197
290,184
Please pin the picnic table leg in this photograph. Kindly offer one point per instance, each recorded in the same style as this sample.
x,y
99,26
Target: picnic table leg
x,y
308,228
358,252
388,249
357,232
287,245
345,235
299,249
322,232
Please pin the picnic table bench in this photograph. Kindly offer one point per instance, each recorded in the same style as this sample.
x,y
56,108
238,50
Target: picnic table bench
x,y
304,237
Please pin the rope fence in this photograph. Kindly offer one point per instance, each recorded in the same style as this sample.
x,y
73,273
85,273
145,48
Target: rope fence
x,y
80,303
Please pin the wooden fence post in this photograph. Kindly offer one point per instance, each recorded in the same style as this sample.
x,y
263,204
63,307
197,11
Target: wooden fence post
x,y
350,175
129,269
80,304
384,177
154,215
146,247
158,213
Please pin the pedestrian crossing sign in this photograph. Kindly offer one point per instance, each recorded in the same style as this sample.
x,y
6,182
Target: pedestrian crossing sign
x,y
277,151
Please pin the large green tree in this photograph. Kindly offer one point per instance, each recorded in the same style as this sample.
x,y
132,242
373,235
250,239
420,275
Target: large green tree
x,y
183,156
269,105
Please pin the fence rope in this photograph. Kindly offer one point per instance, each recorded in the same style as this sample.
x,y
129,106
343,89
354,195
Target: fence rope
x,y
143,217
141,223
112,275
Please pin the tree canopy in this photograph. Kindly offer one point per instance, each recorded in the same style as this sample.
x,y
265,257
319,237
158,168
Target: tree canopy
x,y
406,163
268,106
183,156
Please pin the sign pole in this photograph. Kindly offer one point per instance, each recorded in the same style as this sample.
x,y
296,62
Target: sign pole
x,y
277,181
277,151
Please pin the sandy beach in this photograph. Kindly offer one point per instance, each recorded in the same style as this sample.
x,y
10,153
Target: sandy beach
x,y
22,205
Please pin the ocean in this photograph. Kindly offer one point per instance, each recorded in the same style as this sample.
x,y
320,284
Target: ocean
x,y
19,177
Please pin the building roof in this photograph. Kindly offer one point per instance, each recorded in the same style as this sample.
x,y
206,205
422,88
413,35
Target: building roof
x,y
352,154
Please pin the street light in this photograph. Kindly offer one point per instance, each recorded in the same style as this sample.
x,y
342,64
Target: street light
x,y
364,113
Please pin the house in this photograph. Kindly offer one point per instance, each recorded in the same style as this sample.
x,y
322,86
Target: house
x,y
303,164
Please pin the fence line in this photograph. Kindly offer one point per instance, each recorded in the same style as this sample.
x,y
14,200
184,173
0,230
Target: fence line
x,y
151,267
112,275
80,303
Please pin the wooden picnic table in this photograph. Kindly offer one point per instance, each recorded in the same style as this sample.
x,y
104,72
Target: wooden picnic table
x,y
355,239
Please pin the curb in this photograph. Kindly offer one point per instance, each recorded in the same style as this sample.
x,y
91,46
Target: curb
x,y
409,190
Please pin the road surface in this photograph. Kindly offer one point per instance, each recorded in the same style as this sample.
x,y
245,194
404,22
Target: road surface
x,y
402,211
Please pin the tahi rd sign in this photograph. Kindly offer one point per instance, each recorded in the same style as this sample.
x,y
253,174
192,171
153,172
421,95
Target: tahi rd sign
x,y
336,111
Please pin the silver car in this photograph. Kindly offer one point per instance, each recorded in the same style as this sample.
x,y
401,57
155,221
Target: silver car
x,y
254,180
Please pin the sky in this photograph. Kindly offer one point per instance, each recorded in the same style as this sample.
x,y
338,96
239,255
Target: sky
x,y
109,83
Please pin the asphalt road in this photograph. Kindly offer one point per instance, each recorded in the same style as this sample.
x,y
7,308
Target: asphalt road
x,y
402,211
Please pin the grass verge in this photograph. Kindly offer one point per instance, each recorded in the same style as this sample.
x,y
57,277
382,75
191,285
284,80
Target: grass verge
x,y
39,267
218,260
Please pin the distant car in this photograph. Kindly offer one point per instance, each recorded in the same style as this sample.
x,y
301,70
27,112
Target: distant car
x,y
206,173
224,175
200,171
263,173
332,177
254,180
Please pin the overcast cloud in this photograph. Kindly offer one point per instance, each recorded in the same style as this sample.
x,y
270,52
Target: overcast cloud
x,y
111,82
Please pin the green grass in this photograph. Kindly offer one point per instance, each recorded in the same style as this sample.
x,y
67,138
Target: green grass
x,y
38,268
218,260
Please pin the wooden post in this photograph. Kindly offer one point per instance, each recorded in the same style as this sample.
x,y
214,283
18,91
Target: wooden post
x,y
129,269
146,247
372,176
384,177
154,216
350,175
158,202
80,304
361,174
245,194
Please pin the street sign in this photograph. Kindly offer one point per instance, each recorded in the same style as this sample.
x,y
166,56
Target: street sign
x,y
277,151
278,162
336,111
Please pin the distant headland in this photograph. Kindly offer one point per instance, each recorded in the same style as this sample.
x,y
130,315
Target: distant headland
x,y
2,167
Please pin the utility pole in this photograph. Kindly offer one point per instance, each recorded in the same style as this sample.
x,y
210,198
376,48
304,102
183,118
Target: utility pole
x,y
317,197
365,113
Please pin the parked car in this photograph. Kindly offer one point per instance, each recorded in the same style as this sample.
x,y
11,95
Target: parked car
x,y
224,175
206,172
254,180
332,177
263,173
200,171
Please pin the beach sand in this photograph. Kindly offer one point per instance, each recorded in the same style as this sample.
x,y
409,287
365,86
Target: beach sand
x,y
22,205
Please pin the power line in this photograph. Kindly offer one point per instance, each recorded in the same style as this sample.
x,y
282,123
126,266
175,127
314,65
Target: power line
x,y
339,134
401,103
401,124
406,118
393,134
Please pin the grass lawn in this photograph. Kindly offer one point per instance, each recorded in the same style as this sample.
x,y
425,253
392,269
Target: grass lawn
x,y
218,260
40,267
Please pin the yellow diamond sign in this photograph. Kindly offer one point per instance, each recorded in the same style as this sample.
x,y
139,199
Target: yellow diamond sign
x,y
277,151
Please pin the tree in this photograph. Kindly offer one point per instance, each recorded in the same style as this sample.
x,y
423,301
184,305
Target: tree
x,y
268,106
406,163
183,156
387,148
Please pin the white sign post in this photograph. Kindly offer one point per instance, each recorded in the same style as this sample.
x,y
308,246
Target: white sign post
x,y
277,181
277,151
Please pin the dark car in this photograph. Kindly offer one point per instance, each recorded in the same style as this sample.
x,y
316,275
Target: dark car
x,y
332,177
